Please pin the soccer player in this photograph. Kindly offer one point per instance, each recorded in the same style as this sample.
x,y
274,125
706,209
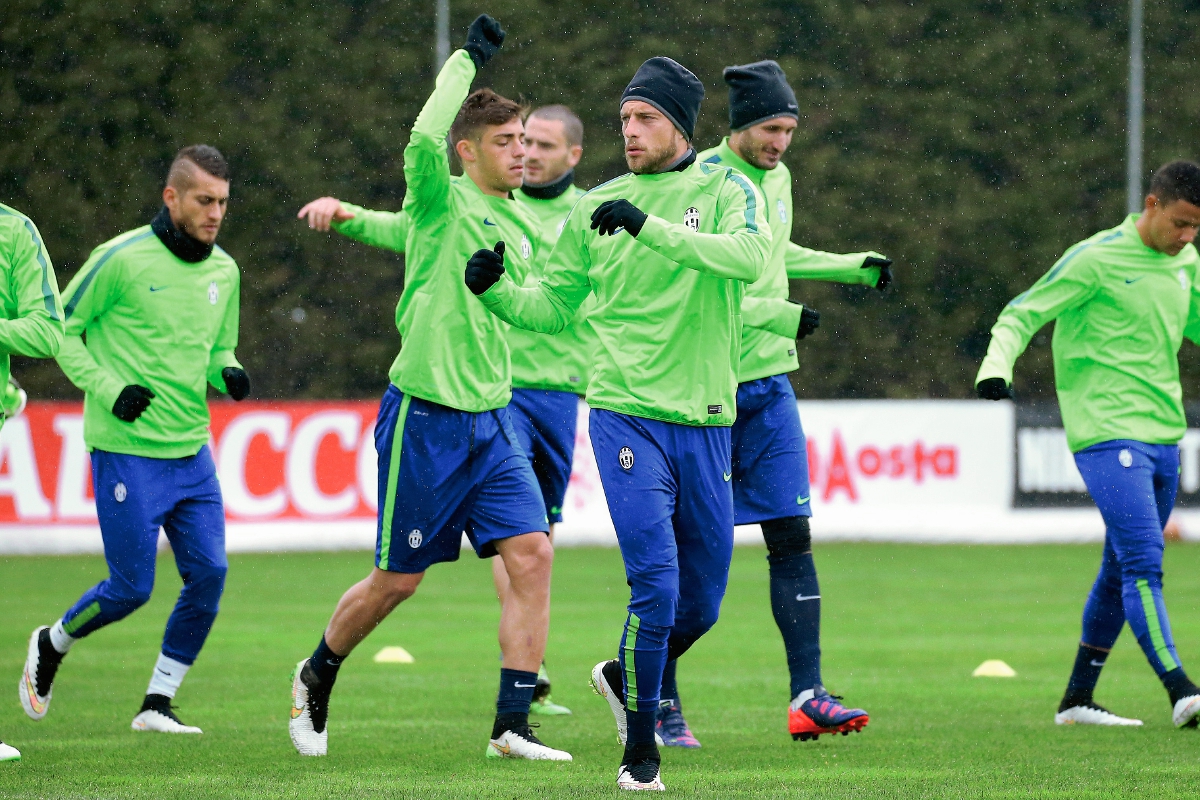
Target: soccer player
x,y
667,249
31,318
1123,299
159,308
448,456
549,373
770,457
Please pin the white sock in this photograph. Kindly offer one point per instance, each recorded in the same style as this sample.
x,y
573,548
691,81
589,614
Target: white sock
x,y
60,639
168,674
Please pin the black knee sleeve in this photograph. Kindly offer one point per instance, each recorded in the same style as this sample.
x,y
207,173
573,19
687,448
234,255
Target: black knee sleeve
x,y
788,536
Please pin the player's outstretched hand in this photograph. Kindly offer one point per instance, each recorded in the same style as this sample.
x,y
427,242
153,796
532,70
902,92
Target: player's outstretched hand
x,y
610,217
323,211
993,389
484,38
810,320
885,270
132,401
237,382
484,269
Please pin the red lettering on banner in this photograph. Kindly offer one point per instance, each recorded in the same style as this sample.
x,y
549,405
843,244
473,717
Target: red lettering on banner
x,y
838,477
301,460
837,472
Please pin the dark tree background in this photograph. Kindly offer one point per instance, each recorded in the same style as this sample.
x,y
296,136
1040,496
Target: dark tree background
x,y
972,141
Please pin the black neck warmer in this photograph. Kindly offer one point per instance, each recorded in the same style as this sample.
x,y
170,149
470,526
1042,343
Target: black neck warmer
x,y
549,191
185,247
683,163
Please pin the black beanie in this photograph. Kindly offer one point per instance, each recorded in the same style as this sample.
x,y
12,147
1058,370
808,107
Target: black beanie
x,y
671,88
759,92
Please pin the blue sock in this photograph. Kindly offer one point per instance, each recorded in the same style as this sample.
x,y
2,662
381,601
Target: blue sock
x,y
795,598
325,663
669,690
516,691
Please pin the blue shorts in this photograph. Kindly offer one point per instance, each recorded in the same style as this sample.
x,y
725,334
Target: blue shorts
x,y
545,424
668,491
445,472
770,455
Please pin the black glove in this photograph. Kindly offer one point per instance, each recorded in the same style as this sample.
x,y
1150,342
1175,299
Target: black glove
x,y
237,382
993,389
484,269
615,214
885,270
484,38
132,401
810,320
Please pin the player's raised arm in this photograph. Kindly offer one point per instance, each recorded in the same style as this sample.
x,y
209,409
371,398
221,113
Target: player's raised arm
x,y
36,329
426,162
869,269
384,229
1070,282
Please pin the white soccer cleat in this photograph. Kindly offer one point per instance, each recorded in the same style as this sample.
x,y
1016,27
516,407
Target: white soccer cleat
x,y
161,721
305,738
1185,711
1092,714
523,744
613,696
35,705
9,753
638,778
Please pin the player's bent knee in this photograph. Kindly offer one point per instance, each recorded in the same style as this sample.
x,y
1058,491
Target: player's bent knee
x,y
787,537
393,588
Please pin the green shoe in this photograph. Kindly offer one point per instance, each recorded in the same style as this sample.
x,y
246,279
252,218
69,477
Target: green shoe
x,y
548,708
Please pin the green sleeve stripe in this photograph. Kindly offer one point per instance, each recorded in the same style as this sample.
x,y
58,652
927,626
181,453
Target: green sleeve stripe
x,y
1152,622
715,158
1071,255
389,497
82,618
87,279
631,633
47,290
751,200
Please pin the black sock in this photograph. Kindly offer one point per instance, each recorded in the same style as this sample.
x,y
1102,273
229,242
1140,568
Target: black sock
x,y
49,660
795,598
156,702
325,664
1178,685
669,690
509,721
641,726
1088,663
640,752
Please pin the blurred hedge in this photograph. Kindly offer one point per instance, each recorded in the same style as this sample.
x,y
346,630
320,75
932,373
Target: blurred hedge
x,y
972,141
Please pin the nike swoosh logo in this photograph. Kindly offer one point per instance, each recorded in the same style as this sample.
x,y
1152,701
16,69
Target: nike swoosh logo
x,y
158,288
1096,663
163,671
502,748
727,476
487,221
802,500
296,712
525,685
1135,280
808,597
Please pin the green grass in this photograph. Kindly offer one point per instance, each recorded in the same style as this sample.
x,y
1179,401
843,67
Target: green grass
x,y
904,627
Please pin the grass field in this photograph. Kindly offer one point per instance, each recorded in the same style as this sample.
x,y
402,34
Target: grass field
x,y
904,627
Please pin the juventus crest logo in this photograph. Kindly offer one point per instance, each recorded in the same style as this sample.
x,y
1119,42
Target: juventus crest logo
x,y
625,458
691,218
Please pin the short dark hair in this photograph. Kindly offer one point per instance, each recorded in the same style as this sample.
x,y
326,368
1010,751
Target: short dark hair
x,y
203,156
482,108
572,125
1177,180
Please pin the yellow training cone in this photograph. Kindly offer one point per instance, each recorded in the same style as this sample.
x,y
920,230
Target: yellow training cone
x,y
394,655
992,668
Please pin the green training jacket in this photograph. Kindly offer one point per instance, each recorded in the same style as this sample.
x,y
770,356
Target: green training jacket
x,y
770,322
1122,310
561,362
31,322
453,352
151,319
668,302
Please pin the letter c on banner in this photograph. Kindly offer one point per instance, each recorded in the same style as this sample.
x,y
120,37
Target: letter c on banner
x,y
302,463
231,462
